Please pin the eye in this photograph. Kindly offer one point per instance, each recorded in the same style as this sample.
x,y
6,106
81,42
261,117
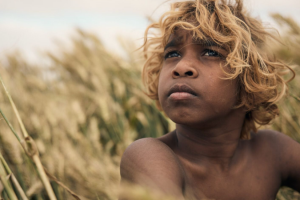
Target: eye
x,y
209,52
172,54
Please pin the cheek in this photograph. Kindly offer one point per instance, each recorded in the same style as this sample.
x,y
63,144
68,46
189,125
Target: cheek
x,y
225,93
161,85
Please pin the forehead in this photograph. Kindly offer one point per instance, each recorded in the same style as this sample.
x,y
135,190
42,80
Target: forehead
x,y
181,36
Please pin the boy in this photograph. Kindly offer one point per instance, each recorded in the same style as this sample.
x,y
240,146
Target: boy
x,y
210,73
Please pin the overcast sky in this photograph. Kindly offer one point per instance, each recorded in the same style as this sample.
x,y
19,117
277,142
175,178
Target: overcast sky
x,y
32,25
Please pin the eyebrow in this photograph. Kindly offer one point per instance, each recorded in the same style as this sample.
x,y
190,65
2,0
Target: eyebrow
x,y
207,42
174,42
204,42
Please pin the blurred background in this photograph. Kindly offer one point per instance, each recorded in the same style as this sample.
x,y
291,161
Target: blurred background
x,y
33,26
73,72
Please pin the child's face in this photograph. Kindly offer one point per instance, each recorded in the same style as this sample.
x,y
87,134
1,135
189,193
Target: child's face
x,y
191,89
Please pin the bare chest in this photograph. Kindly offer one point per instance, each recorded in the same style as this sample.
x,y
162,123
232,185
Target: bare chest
x,y
251,181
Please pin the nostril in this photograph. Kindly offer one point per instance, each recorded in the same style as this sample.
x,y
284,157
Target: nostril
x,y
189,73
176,73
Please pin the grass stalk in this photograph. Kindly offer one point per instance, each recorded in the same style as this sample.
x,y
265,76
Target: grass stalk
x,y
62,185
14,109
13,179
30,149
11,128
6,184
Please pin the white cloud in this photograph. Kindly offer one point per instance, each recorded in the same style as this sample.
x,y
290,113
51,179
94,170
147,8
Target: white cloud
x,y
29,39
140,7
47,7
32,25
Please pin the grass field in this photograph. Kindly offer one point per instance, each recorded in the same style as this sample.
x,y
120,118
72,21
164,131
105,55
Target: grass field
x,y
85,105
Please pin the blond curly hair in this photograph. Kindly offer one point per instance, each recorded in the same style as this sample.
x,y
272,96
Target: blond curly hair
x,y
259,74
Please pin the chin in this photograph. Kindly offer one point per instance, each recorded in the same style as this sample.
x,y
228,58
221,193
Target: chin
x,y
187,118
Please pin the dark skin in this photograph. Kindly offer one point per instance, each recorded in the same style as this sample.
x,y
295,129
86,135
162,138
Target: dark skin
x,y
205,157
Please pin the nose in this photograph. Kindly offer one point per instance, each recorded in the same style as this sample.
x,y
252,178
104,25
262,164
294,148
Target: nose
x,y
184,68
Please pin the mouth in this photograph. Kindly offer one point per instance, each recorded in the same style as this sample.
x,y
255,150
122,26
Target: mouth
x,y
180,92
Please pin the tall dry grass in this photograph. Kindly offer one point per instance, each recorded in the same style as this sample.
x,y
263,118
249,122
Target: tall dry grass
x,y
86,105
83,109
289,120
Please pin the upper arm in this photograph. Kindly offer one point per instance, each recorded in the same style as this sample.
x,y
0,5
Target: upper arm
x,y
150,163
288,151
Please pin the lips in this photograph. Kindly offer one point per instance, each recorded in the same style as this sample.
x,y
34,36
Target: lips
x,y
181,92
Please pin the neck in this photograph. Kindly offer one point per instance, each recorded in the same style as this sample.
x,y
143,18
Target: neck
x,y
215,146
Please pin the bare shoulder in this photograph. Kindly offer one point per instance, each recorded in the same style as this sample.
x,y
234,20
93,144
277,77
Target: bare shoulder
x,y
275,140
273,144
151,163
283,153
149,150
